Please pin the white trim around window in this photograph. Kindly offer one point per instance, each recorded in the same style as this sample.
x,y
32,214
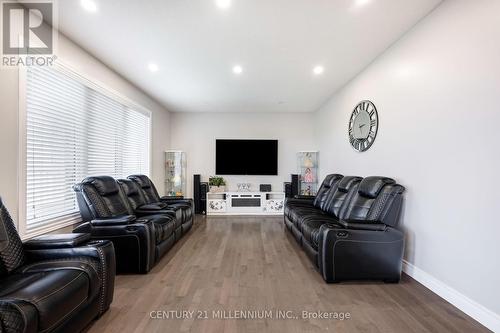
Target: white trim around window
x,y
104,102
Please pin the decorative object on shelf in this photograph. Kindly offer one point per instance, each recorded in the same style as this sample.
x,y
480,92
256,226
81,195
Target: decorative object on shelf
x,y
308,176
243,187
175,173
363,126
217,184
172,198
307,164
265,187
308,191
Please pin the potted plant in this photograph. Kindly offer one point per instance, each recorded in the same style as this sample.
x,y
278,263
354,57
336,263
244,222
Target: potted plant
x,y
217,184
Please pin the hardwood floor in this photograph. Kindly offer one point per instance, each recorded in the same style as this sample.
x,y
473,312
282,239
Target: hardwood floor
x,y
230,264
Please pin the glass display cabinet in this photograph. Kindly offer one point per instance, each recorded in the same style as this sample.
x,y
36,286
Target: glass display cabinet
x,y
175,173
307,162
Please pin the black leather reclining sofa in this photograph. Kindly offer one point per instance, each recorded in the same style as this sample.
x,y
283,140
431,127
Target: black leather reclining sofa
x,y
348,229
53,283
151,197
129,212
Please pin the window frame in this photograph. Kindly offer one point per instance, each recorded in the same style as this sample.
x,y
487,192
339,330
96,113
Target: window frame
x,y
90,82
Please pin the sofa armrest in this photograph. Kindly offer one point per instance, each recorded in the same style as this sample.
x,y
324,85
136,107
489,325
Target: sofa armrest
x,y
57,241
362,225
88,249
352,254
101,251
134,243
118,220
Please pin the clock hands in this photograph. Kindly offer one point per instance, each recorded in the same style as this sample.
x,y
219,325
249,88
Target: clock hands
x,y
360,130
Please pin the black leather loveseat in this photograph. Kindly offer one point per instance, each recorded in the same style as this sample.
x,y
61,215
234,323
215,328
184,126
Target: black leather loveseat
x,y
142,231
53,283
348,229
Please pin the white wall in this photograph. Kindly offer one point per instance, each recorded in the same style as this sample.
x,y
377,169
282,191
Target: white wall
x,y
92,68
437,91
195,133
9,138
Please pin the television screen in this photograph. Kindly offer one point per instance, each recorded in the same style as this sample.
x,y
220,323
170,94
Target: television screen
x,y
246,157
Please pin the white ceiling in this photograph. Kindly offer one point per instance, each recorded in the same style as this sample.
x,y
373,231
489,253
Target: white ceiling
x,y
277,42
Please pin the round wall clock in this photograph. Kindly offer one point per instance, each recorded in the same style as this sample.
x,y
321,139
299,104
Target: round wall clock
x,y
363,126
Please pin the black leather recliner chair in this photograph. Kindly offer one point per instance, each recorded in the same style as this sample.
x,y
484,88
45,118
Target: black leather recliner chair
x,y
140,237
138,204
53,283
348,229
152,198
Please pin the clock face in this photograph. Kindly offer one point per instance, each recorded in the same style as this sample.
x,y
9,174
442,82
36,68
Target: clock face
x,y
363,126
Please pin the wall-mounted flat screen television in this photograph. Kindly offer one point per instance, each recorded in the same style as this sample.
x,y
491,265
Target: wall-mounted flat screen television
x,y
246,157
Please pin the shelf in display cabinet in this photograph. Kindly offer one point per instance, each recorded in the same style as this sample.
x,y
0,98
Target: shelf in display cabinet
x,y
175,173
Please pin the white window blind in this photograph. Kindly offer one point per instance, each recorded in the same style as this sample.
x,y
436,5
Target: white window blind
x,y
73,131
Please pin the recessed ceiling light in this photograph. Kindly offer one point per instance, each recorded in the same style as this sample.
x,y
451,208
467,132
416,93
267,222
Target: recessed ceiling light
x,y
237,69
318,70
223,4
360,3
89,5
153,67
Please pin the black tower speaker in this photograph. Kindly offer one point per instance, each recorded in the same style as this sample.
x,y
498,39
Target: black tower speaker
x,y
287,188
197,193
204,188
295,185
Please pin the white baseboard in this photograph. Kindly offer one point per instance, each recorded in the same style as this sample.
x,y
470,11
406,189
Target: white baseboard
x,y
483,315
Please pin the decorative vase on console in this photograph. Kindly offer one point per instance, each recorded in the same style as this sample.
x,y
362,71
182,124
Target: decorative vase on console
x,y
308,163
243,187
217,184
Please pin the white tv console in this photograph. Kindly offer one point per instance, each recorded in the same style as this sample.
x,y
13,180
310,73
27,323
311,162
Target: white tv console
x,y
245,203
